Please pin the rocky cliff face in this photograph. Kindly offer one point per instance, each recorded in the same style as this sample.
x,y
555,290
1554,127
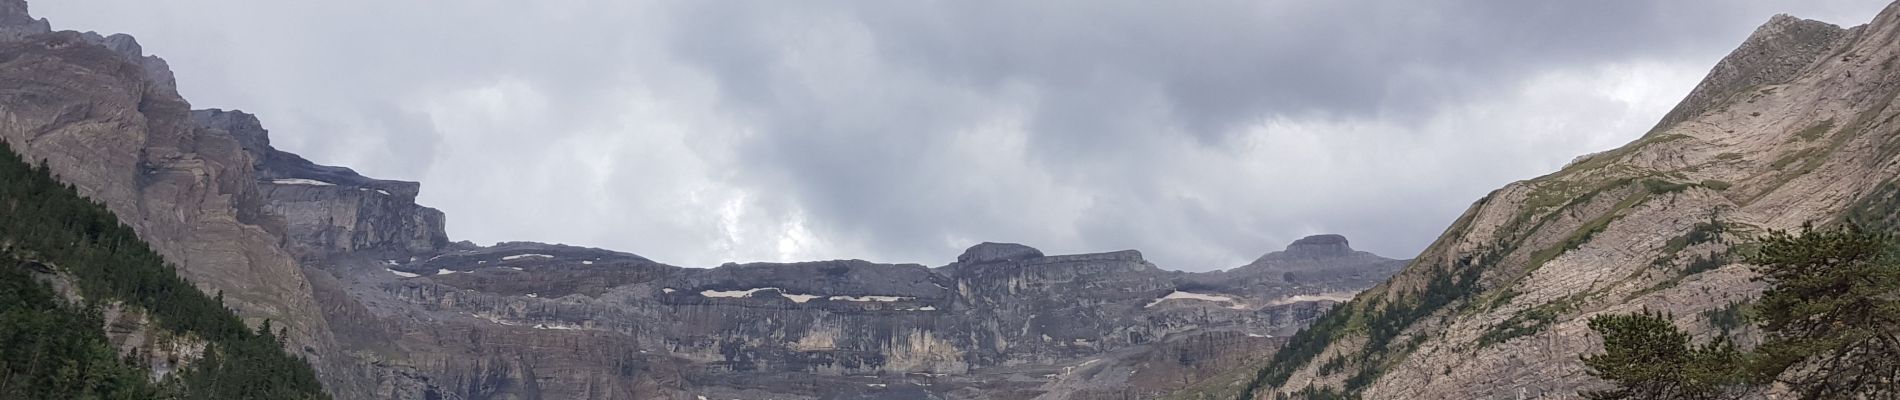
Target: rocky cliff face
x,y
1795,126
1003,322
329,209
107,120
386,307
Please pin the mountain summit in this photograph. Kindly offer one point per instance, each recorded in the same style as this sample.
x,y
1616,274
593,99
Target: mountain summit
x,y
1318,246
1795,126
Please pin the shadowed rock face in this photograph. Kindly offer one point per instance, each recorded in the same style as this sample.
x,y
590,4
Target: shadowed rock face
x,y
387,307
1318,246
106,120
1013,325
329,209
997,252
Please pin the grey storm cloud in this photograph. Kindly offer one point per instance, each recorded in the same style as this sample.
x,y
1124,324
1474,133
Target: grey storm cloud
x,y
1202,133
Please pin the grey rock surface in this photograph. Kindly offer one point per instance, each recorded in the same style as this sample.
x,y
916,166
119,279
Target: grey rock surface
x,y
387,307
107,122
1796,126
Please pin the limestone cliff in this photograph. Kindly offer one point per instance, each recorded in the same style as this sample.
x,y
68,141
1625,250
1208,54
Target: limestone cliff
x,y
1795,126
386,307
329,209
107,120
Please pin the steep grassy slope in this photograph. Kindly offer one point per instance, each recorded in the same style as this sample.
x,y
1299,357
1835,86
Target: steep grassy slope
x,y
1795,126
51,348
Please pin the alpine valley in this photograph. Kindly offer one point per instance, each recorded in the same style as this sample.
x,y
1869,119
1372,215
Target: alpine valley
x,y
1795,126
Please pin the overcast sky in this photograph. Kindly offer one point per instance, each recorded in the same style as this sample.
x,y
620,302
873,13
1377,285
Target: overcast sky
x,y
1202,133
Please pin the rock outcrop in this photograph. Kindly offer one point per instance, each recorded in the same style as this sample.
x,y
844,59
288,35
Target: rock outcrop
x,y
386,307
106,120
1796,126
329,209
550,321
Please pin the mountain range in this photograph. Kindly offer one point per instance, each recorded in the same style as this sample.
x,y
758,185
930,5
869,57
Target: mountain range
x,y
380,300
1794,127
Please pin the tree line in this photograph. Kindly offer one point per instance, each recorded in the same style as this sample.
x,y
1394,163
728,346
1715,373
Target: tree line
x,y
1829,320
54,348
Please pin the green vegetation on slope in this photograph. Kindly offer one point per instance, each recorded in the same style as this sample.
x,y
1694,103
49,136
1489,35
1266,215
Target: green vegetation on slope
x,y
1830,318
1651,359
1382,319
49,223
53,350
1381,326
1830,313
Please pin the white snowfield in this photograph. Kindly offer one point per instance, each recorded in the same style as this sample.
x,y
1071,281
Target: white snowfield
x,y
733,293
795,297
1180,295
1340,297
402,274
301,181
441,271
521,256
537,325
872,298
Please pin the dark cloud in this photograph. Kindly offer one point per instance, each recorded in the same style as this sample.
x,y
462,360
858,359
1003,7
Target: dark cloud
x,y
701,132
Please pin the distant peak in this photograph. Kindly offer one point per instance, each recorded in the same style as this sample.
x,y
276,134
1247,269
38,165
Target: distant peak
x,y
988,252
15,22
1776,52
1316,246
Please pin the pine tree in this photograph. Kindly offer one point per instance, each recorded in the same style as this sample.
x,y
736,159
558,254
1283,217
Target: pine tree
x,y
1647,357
1831,313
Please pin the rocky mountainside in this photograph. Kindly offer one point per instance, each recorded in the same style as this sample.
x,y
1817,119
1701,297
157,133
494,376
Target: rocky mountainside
x,y
1795,126
386,306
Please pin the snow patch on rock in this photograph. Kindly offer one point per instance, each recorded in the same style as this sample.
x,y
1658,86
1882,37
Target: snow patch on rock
x,y
1340,297
872,298
301,181
521,256
733,293
1180,295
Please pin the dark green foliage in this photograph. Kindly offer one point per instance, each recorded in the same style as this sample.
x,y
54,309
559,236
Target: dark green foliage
x,y
1648,358
1879,210
1658,186
1703,263
1332,365
1382,326
48,222
1300,349
1831,313
1703,232
1813,132
1320,394
1524,323
1830,319
53,350
1728,318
